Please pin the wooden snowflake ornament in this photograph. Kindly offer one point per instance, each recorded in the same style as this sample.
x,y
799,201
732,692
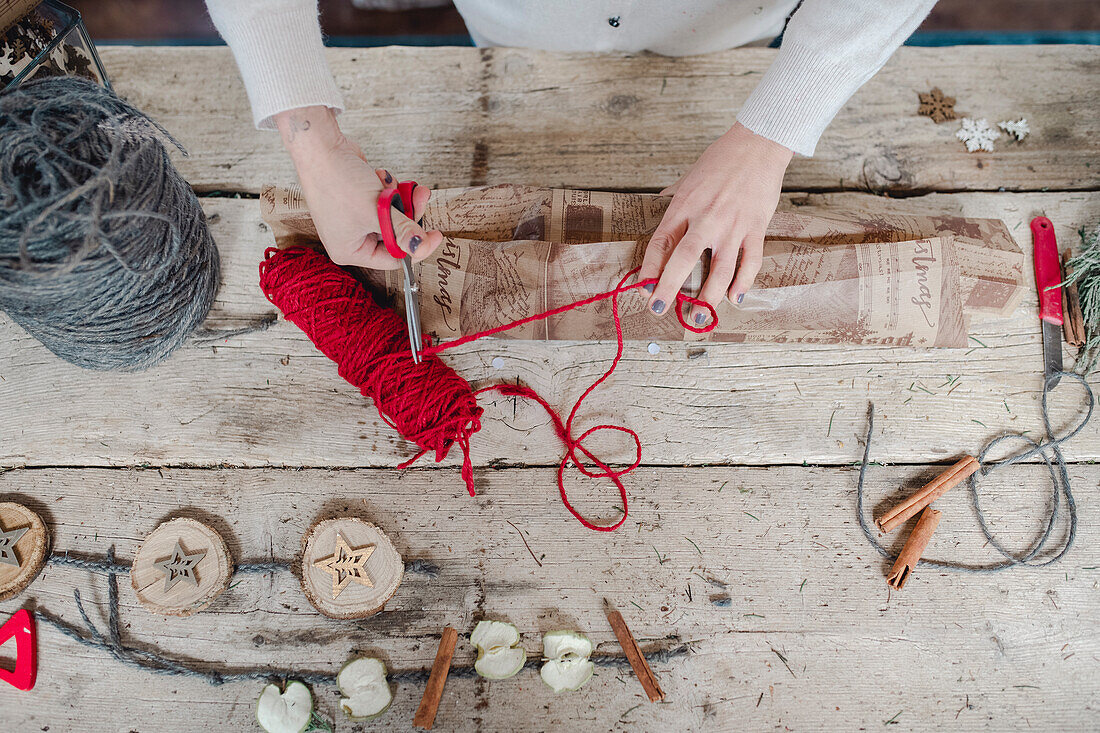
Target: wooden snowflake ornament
x,y
349,568
935,105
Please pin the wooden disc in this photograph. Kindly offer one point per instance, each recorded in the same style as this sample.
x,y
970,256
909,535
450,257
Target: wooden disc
x,y
24,539
349,568
180,568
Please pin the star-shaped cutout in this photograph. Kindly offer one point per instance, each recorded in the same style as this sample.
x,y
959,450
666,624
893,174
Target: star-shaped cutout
x,y
180,566
935,105
7,545
346,564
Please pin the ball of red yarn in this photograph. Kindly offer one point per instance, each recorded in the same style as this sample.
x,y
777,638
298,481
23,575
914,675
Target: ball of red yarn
x,y
428,403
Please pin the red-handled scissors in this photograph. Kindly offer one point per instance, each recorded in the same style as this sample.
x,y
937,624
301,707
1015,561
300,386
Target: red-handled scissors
x,y
401,198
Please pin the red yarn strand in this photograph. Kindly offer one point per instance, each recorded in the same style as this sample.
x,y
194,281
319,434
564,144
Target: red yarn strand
x,y
429,403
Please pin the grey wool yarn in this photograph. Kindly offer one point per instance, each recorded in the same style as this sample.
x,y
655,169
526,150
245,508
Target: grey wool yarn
x,y
105,255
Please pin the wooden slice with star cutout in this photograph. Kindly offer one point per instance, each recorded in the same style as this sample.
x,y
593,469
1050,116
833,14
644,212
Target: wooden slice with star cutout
x,y
181,568
24,547
349,568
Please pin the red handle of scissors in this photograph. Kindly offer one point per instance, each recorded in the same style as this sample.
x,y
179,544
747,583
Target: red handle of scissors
x,y
400,198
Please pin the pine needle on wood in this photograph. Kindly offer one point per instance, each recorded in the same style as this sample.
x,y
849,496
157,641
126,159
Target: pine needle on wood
x,y
1086,274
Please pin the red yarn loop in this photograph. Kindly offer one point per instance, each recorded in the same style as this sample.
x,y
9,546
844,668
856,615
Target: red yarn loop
x,y
429,403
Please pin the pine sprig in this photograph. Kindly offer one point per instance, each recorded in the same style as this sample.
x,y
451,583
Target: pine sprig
x,y
1086,273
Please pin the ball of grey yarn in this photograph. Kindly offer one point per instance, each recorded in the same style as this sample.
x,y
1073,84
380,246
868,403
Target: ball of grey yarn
x,y
105,255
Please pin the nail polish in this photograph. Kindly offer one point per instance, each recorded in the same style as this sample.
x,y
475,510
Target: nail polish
x,y
658,307
700,318
389,178
414,242
740,298
649,288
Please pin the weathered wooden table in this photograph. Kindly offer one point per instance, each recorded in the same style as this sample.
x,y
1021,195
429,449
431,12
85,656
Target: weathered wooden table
x,y
742,544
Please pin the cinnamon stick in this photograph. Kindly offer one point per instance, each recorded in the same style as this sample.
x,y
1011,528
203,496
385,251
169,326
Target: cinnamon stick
x,y
429,704
1073,320
634,656
933,490
914,548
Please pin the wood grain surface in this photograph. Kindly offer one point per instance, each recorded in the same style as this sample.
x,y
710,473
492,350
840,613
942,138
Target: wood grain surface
x,y
465,116
738,563
211,572
270,398
742,570
383,568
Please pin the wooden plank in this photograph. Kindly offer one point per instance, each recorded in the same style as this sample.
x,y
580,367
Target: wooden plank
x,y
269,398
738,563
462,116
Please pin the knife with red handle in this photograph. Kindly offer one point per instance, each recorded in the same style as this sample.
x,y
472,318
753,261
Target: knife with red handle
x,y
1048,278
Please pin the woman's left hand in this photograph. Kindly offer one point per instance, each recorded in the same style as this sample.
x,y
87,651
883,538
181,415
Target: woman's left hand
x,y
723,203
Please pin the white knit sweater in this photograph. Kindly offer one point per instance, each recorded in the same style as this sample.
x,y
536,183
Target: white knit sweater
x,y
830,48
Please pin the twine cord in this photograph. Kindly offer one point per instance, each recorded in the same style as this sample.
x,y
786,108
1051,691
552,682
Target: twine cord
x,y
154,660
1049,450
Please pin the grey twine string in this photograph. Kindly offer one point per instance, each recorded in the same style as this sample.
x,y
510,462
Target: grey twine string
x,y
153,660
105,254
1049,450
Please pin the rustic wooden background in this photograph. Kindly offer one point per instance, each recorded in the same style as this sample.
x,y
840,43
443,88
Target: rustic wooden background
x,y
742,541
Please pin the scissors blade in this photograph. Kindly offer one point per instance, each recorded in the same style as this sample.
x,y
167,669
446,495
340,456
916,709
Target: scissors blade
x,y
412,308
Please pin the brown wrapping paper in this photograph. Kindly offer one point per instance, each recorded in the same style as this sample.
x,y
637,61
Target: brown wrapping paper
x,y
514,251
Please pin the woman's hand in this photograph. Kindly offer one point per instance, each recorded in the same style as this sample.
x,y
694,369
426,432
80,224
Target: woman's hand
x,y
342,190
723,203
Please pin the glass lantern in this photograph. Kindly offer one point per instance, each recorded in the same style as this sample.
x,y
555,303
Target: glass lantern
x,y
50,40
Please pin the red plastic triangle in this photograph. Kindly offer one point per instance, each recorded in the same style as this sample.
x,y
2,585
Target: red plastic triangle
x,y
21,626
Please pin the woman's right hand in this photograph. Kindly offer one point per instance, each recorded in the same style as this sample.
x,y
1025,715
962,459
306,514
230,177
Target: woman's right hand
x,y
342,189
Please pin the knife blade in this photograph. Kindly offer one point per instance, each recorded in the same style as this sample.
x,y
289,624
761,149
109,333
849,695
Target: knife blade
x,y
1048,277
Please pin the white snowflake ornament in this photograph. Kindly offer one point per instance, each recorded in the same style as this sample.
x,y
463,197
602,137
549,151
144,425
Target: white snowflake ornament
x,y
977,134
1016,128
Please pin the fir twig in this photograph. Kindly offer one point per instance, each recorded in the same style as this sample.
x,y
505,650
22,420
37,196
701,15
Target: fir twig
x,y
1086,273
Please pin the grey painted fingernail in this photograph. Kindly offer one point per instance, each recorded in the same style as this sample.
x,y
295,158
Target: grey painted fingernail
x,y
699,318
740,298
389,178
414,243
649,288
658,307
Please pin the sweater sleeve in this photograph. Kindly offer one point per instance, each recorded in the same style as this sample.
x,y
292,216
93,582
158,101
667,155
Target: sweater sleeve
x,y
830,48
278,48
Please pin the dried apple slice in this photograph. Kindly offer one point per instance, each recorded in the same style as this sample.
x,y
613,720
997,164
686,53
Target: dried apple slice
x,y
498,656
366,691
567,665
286,712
